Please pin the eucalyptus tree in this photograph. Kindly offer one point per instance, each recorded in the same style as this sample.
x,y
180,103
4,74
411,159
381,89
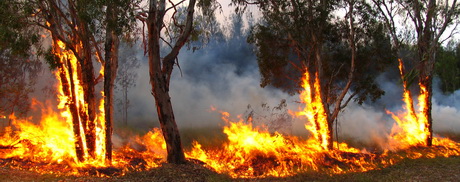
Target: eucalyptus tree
x,y
341,54
161,65
425,24
19,64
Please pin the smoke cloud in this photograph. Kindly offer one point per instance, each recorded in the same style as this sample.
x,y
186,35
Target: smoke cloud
x,y
225,75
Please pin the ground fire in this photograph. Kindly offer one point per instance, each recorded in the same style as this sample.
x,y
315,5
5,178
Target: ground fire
x,y
250,151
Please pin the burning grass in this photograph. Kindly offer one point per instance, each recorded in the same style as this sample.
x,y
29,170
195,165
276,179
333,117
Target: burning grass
x,y
247,152
422,169
242,151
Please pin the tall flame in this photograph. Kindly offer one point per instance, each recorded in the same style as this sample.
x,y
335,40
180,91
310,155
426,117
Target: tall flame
x,y
410,127
314,111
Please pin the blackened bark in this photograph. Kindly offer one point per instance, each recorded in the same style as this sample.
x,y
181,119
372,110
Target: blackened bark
x,y
88,82
110,70
68,90
73,110
427,82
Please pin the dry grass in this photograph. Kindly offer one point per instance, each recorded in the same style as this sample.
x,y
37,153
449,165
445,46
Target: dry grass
x,y
436,169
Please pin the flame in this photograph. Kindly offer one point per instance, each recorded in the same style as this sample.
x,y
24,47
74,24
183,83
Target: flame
x,y
410,127
249,151
314,111
50,141
254,152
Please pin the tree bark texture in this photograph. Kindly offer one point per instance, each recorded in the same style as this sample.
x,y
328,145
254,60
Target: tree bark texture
x,y
160,69
110,71
68,90
66,25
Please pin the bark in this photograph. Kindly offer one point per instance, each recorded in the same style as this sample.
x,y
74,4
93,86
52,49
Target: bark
x,y
72,102
426,46
88,82
110,70
160,74
427,82
68,90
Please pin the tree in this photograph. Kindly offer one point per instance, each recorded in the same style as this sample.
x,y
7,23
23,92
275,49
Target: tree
x,y
160,67
119,19
70,26
160,73
18,64
126,76
79,29
297,37
447,67
426,21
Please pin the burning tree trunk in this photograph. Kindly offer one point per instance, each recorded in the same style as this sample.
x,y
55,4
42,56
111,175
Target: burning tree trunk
x,y
65,71
110,70
160,74
430,20
67,27
88,112
426,90
323,118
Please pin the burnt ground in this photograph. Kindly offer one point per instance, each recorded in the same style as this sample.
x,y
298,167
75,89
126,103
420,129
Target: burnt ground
x,y
436,169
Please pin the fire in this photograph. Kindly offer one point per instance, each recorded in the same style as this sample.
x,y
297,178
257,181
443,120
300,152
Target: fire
x,y
50,141
53,140
410,127
254,152
249,151
314,111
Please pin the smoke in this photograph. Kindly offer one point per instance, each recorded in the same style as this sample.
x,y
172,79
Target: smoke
x,y
446,110
225,75
369,124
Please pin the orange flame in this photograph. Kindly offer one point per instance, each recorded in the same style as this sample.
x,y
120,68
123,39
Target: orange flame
x,y
314,111
410,127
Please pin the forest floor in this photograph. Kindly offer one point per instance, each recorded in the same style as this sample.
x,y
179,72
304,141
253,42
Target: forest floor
x,y
435,169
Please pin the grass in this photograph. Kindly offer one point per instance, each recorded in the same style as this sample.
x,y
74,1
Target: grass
x,y
423,169
434,169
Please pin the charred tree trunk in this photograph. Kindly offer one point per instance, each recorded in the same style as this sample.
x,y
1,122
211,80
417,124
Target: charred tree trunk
x,y
75,116
110,70
160,75
88,82
427,82
68,90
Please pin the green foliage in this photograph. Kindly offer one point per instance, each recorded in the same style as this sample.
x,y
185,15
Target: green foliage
x,y
411,77
205,24
18,64
447,67
16,36
50,58
290,32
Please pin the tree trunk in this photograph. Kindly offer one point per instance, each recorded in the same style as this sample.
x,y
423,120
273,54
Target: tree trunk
x,y
168,123
88,82
74,111
125,105
160,69
427,82
68,90
110,71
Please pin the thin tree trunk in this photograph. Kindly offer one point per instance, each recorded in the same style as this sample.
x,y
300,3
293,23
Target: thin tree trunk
x,y
73,110
110,70
168,124
88,82
427,82
68,89
125,105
